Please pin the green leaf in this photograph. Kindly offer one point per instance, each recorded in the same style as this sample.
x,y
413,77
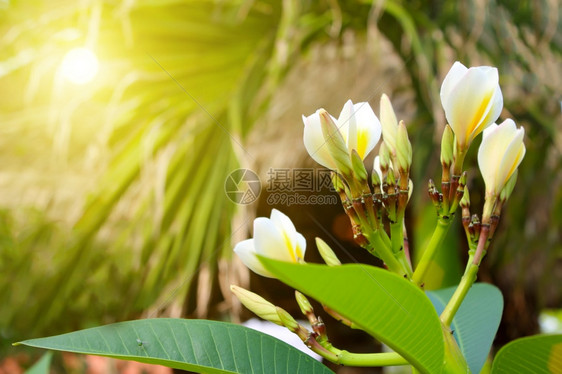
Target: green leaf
x,y
383,304
41,366
535,354
476,322
194,345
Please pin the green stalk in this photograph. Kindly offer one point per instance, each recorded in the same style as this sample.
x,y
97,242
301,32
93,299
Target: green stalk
x,y
342,357
370,359
437,238
397,242
377,245
471,252
456,300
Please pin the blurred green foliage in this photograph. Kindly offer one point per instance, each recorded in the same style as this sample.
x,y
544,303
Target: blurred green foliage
x,y
113,192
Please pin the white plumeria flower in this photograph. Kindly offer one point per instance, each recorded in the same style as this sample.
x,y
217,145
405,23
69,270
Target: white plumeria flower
x,y
275,238
472,100
358,125
499,155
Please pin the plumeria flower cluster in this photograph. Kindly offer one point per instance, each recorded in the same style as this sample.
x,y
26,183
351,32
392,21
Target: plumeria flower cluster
x,y
472,101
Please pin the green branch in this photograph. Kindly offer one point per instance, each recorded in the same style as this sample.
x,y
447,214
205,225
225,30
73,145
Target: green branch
x,y
460,293
437,238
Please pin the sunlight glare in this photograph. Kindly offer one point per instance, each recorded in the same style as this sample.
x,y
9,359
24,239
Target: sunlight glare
x,y
80,65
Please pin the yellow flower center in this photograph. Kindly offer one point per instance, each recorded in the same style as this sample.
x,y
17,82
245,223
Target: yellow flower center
x,y
478,116
361,143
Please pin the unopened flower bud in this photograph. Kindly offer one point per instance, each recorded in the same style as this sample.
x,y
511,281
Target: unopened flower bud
x,y
403,148
287,320
391,181
327,253
337,182
384,159
358,167
304,304
257,304
376,179
335,143
389,124
465,201
447,145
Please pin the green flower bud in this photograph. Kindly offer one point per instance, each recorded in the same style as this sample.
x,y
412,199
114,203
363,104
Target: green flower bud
x,y
287,320
358,167
403,148
447,146
390,180
304,304
335,143
389,124
465,201
384,158
375,179
338,184
257,304
327,253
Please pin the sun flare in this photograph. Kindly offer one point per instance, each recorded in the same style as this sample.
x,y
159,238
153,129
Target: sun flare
x,y
79,66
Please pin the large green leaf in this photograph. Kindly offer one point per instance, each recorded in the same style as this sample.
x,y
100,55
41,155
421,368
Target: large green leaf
x,y
195,345
531,355
386,306
476,322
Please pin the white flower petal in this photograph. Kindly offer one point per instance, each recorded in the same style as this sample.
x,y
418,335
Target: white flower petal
x,y
496,106
455,74
500,153
314,141
285,225
368,129
514,153
247,253
486,155
347,125
300,249
270,240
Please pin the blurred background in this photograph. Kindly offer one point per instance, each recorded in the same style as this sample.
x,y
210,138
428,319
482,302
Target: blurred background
x,y
120,122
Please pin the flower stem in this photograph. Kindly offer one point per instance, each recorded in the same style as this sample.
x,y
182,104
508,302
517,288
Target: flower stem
x,y
378,247
371,359
436,240
397,243
460,293
342,357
